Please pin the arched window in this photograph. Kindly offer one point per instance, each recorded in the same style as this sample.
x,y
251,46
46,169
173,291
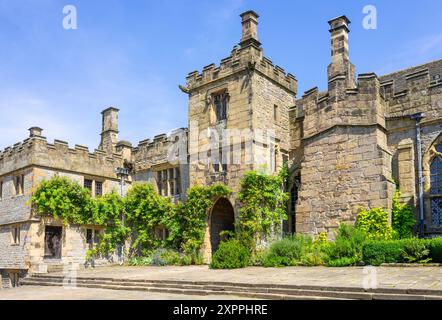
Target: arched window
x,y
436,189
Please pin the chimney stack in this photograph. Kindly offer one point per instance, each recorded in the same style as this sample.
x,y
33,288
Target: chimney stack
x,y
35,132
249,28
341,65
109,132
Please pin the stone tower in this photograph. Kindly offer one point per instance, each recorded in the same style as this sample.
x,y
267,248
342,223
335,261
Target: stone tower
x,y
346,162
238,119
109,132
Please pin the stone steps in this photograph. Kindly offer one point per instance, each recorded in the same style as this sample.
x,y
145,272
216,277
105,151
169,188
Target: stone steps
x,y
259,291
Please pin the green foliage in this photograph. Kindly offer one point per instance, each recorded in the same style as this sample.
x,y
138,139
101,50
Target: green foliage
x,y
411,250
263,206
290,251
145,210
435,246
189,221
376,253
231,254
108,211
63,199
416,251
165,257
375,224
347,248
403,219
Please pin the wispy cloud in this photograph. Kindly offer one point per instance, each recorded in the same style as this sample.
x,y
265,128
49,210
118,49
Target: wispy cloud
x,y
416,52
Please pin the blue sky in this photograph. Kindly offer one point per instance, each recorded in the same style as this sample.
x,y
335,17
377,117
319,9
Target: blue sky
x,y
133,54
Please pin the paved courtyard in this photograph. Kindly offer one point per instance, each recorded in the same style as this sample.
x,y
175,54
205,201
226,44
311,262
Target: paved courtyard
x,y
426,278
59,293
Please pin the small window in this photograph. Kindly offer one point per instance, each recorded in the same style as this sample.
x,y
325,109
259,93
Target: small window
x,y
88,184
19,184
92,236
275,113
15,235
89,236
98,188
1,190
96,236
221,105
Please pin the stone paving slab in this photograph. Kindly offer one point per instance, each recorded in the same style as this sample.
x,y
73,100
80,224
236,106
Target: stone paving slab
x,y
425,278
59,293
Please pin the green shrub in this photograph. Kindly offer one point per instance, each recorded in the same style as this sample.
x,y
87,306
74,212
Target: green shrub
x,y
231,254
377,252
416,251
143,261
375,224
166,257
435,247
346,250
290,251
403,220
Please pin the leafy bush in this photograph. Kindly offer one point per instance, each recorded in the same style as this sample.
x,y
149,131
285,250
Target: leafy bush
x,y
165,257
375,224
416,251
435,247
289,251
231,254
403,220
347,248
377,252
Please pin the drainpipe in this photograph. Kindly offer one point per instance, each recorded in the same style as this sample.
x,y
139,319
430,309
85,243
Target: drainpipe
x,y
418,118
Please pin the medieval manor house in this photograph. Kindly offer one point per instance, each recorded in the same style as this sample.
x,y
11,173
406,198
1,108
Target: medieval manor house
x,y
347,147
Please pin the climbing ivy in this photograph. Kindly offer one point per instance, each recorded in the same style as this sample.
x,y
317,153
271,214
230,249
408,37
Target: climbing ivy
x,y
145,210
188,224
64,199
263,206
142,209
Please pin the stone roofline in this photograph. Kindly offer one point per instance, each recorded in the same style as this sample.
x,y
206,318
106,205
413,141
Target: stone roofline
x,y
160,138
26,145
248,57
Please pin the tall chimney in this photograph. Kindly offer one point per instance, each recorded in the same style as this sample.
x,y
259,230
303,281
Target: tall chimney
x,y
341,64
249,28
109,132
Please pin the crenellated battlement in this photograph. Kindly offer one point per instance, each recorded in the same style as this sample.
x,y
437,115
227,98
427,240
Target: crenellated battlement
x,y
398,85
37,151
246,59
149,152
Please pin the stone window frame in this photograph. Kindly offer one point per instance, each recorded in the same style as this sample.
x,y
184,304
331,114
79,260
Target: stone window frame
x,y
210,103
168,185
276,112
93,187
19,184
428,158
15,235
96,232
160,232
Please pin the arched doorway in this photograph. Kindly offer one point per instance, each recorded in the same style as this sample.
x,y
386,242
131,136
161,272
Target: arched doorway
x,y
222,219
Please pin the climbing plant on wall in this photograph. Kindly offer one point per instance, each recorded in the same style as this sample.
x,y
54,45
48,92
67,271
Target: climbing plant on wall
x,y
145,210
62,198
263,206
188,224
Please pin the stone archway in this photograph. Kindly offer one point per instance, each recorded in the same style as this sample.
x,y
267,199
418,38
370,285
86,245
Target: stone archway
x,y
222,218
